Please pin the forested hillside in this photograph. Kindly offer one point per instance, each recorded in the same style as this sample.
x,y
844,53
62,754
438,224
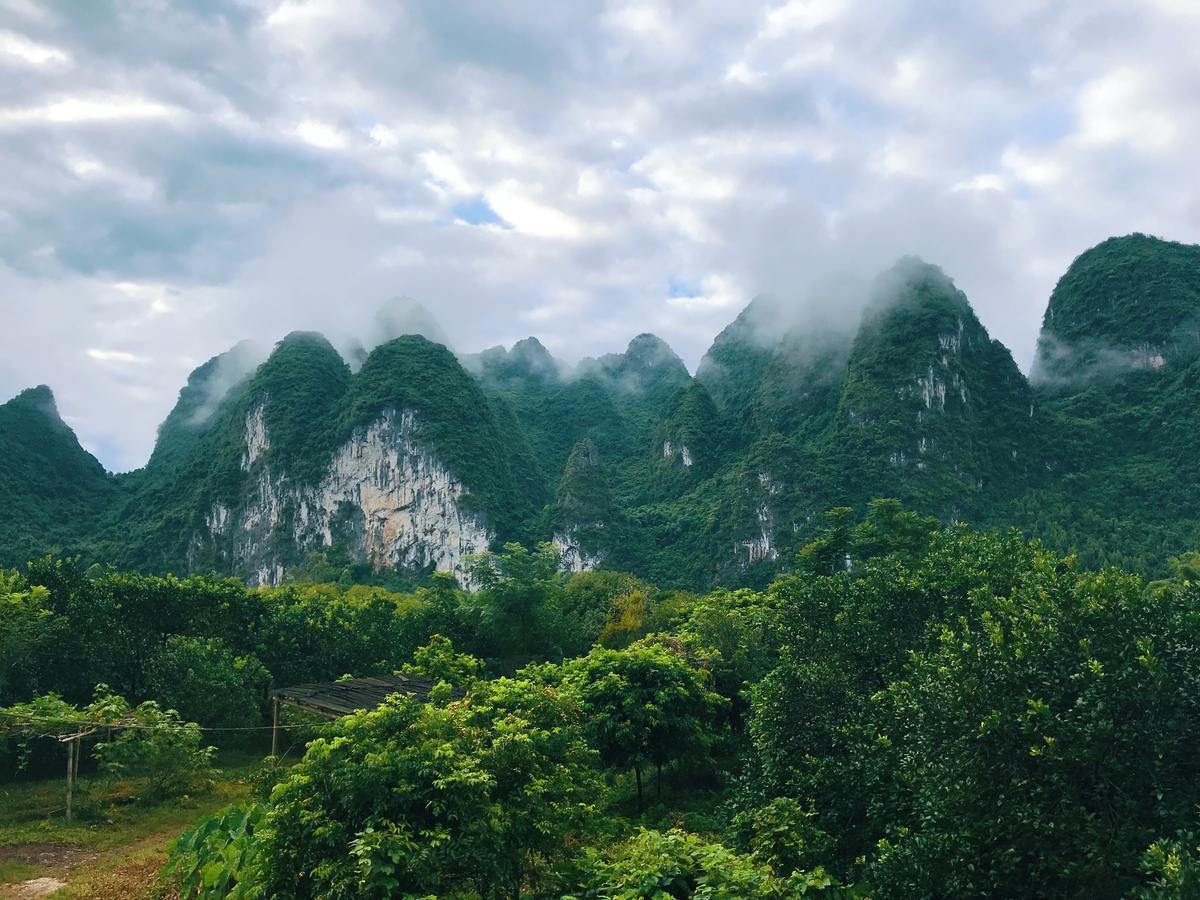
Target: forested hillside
x,y
407,459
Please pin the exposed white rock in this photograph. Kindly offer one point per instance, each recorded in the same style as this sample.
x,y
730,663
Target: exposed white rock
x,y
572,557
762,547
392,500
256,437
772,484
933,390
685,454
217,518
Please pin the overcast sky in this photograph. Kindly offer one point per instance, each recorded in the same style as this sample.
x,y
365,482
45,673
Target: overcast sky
x,y
176,176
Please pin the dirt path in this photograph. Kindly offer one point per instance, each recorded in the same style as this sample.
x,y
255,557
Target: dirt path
x,y
118,874
55,859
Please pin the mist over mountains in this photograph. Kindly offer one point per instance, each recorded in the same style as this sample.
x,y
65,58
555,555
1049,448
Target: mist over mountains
x,y
392,456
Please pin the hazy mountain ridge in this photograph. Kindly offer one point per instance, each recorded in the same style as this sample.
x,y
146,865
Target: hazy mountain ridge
x,y
410,457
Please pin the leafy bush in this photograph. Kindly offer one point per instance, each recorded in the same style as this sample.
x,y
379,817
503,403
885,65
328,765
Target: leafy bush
x,y
219,856
432,799
1046,739
207,682
439,660
655,866
783,836
643,706
158,746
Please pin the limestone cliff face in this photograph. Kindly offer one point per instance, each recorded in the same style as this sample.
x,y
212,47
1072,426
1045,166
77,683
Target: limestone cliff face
x,y
760,546
572,556
384,498
670,451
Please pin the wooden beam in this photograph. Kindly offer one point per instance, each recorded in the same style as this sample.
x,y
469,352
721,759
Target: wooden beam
x,y
275,728
70,775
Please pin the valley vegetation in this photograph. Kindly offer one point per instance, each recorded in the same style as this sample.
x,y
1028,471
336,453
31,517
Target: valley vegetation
x,y
914,710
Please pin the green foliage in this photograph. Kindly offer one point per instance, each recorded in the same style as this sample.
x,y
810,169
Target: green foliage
x,y
586,603
515,588
921,712
206,681
439,661
888,529
207,647
49,716
643,706
52,491
1038,706
1174,867
23,616
144,742
656,865
476,792
219,856
677,864
156,745
631,619
783,836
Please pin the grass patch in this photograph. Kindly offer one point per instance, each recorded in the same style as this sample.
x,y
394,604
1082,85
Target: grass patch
x,y
117,845
15,870
136,871
109,813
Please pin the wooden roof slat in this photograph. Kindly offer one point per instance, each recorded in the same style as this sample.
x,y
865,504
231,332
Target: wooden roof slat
x,y
339,698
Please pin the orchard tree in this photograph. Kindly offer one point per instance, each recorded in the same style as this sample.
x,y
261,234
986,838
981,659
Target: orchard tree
x,y
418,800
208,682
1047,739
645,705
515,590
439,661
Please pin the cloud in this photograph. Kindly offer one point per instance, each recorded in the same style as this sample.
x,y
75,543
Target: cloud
x,y
319,134
81,109
515,205
16,47
181,176
115,356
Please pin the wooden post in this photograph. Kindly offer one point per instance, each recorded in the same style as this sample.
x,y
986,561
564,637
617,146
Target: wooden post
x,y
78,753
275,726
70,775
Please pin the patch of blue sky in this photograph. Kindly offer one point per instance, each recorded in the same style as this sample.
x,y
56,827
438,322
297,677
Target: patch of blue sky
x,y
476,211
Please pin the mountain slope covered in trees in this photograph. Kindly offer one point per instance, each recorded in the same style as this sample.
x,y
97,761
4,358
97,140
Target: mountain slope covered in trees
x,y
409,458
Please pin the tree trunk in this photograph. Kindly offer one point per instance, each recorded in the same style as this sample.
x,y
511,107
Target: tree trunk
x,y
637,770
659,785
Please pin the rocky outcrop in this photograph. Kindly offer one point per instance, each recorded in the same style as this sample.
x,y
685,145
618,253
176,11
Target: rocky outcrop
x,y
384,498
572,557
670,451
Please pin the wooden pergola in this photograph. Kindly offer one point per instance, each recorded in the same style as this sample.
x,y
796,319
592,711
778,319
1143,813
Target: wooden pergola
x,y
334,699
